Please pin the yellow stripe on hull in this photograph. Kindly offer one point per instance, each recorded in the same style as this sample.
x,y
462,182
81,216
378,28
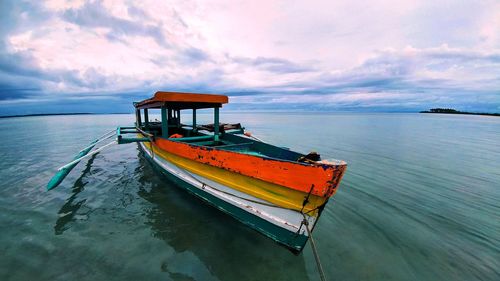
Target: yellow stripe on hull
x,y
276,194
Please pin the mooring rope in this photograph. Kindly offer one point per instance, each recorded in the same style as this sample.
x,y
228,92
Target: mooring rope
x,y
248,134
315,251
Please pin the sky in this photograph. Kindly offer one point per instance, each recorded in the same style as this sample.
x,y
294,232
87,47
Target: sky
x,y
385,56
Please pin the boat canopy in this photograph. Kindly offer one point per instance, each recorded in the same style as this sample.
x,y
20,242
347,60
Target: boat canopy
x,y
179,100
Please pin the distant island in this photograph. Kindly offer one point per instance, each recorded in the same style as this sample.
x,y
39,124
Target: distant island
x,y
453,111
56,114
45,114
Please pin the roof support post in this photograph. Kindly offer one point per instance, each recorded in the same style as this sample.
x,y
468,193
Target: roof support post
x,y
146,118
194,119
138,118
178,113
216,124
164,122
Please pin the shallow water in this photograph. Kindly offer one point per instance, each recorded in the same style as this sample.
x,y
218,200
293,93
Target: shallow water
x,y
420,201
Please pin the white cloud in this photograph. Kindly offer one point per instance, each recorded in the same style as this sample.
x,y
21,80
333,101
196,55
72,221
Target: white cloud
x,y
342,52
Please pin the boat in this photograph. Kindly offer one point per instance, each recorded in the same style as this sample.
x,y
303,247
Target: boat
x,y
271,189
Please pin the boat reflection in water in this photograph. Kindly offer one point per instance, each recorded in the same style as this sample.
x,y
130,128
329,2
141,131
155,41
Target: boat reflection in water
x,y
71,208
214,246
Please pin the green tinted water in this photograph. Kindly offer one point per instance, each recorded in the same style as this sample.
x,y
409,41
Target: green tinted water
x,y
420,201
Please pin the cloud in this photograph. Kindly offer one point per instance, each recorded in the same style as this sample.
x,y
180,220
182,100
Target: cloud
x,y
95,15
326,56
276,65
193,56
408,79
8,92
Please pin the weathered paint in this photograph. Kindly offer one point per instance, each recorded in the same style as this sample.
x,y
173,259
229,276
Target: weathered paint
x,y
323,178
279,195
176,97
294,241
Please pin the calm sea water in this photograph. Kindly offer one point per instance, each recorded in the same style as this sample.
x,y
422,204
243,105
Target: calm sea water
x,y
420,201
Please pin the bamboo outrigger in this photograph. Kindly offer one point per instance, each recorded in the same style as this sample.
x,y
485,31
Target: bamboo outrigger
x,y
274,190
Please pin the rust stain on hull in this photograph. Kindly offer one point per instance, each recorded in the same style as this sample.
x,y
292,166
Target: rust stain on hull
x,y
299,176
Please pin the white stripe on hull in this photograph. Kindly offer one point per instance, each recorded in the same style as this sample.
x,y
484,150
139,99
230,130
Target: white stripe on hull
x,y
284,218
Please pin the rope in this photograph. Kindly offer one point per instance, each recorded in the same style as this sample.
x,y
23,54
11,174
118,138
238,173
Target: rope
x,y
315,251
151,138
248,134
306,200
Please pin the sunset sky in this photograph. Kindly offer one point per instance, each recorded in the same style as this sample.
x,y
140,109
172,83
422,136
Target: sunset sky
x,y
389,56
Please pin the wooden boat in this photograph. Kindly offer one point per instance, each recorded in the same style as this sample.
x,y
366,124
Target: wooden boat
x,y
276,191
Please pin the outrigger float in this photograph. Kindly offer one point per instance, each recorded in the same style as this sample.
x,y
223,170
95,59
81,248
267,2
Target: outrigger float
x,y
276,191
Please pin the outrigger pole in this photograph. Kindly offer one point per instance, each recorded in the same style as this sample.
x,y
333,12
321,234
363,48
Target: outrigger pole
x,y
74,162
63,171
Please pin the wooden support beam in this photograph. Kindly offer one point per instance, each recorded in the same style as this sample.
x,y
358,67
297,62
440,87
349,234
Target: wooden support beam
x,y
216,124
194,119
164,123
138,117
146,118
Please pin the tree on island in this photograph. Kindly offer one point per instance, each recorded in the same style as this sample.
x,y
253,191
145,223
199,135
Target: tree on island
x,y
453,111
444,110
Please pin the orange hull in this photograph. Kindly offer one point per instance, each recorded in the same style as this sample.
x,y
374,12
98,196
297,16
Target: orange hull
x,y
320,179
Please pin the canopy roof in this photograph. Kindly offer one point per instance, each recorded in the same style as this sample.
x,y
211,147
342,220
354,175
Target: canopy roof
x,y
178,100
